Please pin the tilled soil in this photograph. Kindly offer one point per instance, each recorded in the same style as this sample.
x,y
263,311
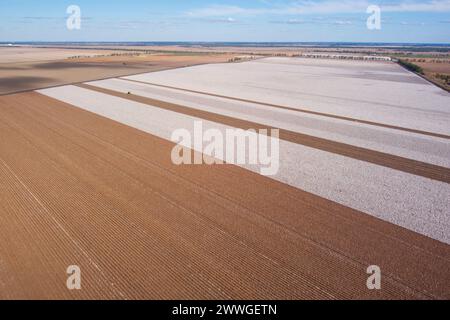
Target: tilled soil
x,y
79,189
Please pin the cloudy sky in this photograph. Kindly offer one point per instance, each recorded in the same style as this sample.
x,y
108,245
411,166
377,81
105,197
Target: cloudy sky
x,y
426,21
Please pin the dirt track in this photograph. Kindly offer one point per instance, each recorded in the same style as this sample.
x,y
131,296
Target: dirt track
x,y
81,189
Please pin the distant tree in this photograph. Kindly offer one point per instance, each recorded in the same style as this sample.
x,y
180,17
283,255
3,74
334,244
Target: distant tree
x,y
410,66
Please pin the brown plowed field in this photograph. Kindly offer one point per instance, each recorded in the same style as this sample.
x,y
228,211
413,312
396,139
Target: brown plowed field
x,y
79,189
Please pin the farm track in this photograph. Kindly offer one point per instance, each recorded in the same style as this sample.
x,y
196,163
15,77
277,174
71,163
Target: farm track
x,y
109,199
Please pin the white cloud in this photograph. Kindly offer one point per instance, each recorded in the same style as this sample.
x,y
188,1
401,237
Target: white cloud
x,y
222,10
221,20
322,7
425,6
314,21
342,22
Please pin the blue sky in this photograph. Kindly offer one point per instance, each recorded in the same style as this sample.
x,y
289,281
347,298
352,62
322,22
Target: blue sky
x,y
426,21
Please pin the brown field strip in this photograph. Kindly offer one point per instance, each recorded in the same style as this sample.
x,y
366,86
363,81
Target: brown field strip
x,y
371,123
395,162
82,189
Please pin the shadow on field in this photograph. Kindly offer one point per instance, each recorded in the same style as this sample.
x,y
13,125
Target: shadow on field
x,y
77,65
8,84
72,65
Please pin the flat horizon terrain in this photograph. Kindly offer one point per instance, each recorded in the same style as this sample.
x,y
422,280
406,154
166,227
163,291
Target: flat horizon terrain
x,y
29,68
18,54
87,180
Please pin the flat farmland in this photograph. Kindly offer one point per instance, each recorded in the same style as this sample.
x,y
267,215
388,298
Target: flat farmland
x,y
24,68
341,88
433,67
88,180
438,73
17,54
